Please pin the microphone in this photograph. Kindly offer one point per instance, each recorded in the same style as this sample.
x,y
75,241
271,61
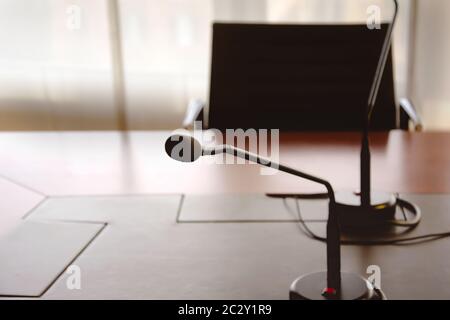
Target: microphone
x,y
369,208
368,201
185,148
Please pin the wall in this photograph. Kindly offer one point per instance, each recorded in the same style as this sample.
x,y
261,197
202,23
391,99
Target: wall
x,y
431,88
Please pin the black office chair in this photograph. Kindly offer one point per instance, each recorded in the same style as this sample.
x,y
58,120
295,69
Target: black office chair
x,y
299,78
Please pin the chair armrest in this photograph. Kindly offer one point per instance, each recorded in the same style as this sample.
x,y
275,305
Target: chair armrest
x,y
409,109
194,113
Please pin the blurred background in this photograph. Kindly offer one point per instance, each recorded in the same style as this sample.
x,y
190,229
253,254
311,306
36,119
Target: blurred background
x,y
135,64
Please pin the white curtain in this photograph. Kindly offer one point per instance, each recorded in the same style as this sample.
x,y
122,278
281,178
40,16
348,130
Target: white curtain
x,y
166,53
54,74
57,75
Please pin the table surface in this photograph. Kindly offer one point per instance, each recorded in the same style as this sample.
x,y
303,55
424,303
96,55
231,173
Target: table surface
x,y
111,163
38,168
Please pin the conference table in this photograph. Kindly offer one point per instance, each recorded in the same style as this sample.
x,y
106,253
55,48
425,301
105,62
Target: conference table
x,y
153,249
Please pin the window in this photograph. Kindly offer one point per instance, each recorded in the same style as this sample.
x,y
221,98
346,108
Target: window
x,y
84,64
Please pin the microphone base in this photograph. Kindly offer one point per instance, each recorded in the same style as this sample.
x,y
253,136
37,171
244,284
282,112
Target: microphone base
x,y
352,215
353,287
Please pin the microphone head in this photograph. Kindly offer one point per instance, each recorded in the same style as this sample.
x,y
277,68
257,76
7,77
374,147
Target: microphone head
x,y
183,148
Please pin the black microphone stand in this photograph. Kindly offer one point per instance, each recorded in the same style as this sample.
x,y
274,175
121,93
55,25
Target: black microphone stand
x,y
365,145
333,287
330,285
368,208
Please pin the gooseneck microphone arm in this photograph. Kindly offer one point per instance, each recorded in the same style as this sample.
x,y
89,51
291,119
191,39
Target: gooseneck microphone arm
x,y
382,63
365,147
333,232
267,163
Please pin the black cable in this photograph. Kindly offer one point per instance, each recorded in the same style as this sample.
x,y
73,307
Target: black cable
x,y
401,241
405,217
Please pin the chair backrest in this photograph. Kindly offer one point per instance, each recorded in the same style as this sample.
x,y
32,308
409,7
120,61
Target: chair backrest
x,y
298,77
